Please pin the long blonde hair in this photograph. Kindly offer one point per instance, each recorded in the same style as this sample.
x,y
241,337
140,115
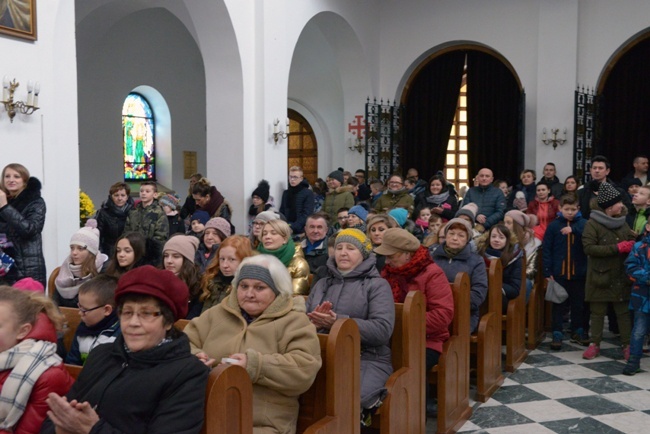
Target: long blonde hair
x,y
27,305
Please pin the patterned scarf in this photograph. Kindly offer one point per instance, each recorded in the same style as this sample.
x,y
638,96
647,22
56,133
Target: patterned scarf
x,y
27,361
284,253
398,277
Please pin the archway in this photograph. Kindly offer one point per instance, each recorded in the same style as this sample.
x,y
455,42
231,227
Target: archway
x,y
624,106
494,111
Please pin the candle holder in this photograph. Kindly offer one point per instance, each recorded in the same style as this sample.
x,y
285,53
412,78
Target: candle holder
x,y
277,133
554,140
12,107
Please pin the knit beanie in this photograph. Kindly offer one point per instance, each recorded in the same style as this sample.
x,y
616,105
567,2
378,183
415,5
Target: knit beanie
x,y
520,218
220,224
470,210
465,223
257,272
359,211
357,238
186,245
201,216
608,195
267,216
399,215
29,284
262,190
338,175
87,237
169,200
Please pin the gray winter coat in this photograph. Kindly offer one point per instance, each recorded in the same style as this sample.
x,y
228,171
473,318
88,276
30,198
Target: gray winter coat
x,y
22,219
367,298
472,264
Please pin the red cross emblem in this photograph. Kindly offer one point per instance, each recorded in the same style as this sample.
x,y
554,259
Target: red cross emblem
x,y
357,128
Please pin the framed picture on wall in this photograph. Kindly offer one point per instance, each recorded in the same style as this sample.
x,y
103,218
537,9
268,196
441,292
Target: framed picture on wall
x,y
18,18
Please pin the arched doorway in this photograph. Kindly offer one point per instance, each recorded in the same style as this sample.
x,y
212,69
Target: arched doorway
x,y
494,112
303,149
624,89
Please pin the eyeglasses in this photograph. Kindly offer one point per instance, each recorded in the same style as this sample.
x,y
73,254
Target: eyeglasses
x,y
85,311
394,183
145,315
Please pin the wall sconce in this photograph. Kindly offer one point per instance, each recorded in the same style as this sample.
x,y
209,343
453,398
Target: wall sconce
x,y
277,134
355,145
554,140
11,106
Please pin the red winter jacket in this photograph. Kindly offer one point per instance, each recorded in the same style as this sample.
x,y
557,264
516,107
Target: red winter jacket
x,y
546,212
433,282
56,379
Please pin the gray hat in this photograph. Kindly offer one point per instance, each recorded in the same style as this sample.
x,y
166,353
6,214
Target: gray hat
x,y
338,175
453,221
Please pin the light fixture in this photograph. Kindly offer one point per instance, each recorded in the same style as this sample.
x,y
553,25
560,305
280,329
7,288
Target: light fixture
x,y
277,134
12,107
355,145
554,140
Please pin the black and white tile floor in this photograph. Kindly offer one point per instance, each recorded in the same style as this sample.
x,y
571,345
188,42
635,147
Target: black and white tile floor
x,y
560,392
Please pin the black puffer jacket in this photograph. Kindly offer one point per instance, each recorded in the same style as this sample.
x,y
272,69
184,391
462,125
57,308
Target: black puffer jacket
x,y
110,223
159,390
297,204
22,219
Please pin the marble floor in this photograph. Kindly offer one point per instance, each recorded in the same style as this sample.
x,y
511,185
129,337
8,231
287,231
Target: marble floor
x,y
559,392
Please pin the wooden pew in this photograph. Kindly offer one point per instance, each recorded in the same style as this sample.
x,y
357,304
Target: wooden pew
x,y
514,323
72,320
451,375
332,404
536,307
486,342
403,410
51,285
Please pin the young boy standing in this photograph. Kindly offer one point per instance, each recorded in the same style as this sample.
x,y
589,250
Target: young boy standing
x,y
565,262
148,217
99,322
637,266
638,213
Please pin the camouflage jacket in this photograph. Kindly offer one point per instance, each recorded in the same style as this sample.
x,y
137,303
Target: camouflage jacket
x,y
150,222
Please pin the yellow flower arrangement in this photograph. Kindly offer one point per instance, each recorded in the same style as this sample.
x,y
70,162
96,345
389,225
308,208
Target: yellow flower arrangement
x,y
86,207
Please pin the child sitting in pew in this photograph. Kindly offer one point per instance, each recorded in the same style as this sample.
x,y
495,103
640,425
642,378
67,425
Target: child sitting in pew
x,y
99,322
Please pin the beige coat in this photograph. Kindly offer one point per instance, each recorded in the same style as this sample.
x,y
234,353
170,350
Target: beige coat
x,y
282,349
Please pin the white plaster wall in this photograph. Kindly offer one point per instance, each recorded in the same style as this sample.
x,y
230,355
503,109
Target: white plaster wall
x,y
46,142
165,58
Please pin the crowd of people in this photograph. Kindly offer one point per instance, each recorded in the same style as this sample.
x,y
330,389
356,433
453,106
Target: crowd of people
x,y
353,247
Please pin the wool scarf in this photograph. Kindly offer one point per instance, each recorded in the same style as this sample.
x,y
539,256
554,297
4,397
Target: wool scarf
x,y
451,253
27,361
284,253
438,199
399,277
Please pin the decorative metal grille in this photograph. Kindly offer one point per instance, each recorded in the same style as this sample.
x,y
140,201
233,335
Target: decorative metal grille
x,y
587,105
383,139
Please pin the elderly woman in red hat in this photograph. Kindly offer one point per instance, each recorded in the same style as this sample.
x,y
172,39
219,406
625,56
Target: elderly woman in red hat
x,y
147,380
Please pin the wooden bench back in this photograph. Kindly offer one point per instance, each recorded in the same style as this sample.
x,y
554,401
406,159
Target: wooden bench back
x,y
332,403
72,320
51,285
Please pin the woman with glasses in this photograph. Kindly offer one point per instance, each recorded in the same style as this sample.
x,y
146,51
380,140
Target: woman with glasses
x,y
263,328
216,283
395,196
145,381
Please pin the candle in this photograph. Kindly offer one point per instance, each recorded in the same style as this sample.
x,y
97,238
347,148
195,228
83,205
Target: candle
x,y
275,126
5,88
30,93
287,126
37,90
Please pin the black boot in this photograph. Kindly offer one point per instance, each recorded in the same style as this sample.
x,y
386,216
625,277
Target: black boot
x,y
632,366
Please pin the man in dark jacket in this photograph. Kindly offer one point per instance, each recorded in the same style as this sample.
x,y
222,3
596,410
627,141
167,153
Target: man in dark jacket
x,y
550,176
297,201
640,171
490,200
314,245
599,171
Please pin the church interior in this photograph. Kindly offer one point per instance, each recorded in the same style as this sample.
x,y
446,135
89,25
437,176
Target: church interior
x,y
222,76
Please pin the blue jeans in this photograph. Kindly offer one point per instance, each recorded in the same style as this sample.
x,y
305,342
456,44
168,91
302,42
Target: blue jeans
x,y
639,331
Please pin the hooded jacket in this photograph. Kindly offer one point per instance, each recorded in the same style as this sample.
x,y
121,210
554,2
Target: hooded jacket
x,y
637,266
282,350
607,280
363,295
338,198
474,266
55,380
22,219
110,223
159,390
297,204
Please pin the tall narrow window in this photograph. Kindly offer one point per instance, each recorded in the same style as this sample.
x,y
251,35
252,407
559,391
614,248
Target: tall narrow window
x,y
456,163
138,136
302,151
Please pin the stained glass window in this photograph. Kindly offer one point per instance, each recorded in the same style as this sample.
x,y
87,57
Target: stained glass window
x,y
138,136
